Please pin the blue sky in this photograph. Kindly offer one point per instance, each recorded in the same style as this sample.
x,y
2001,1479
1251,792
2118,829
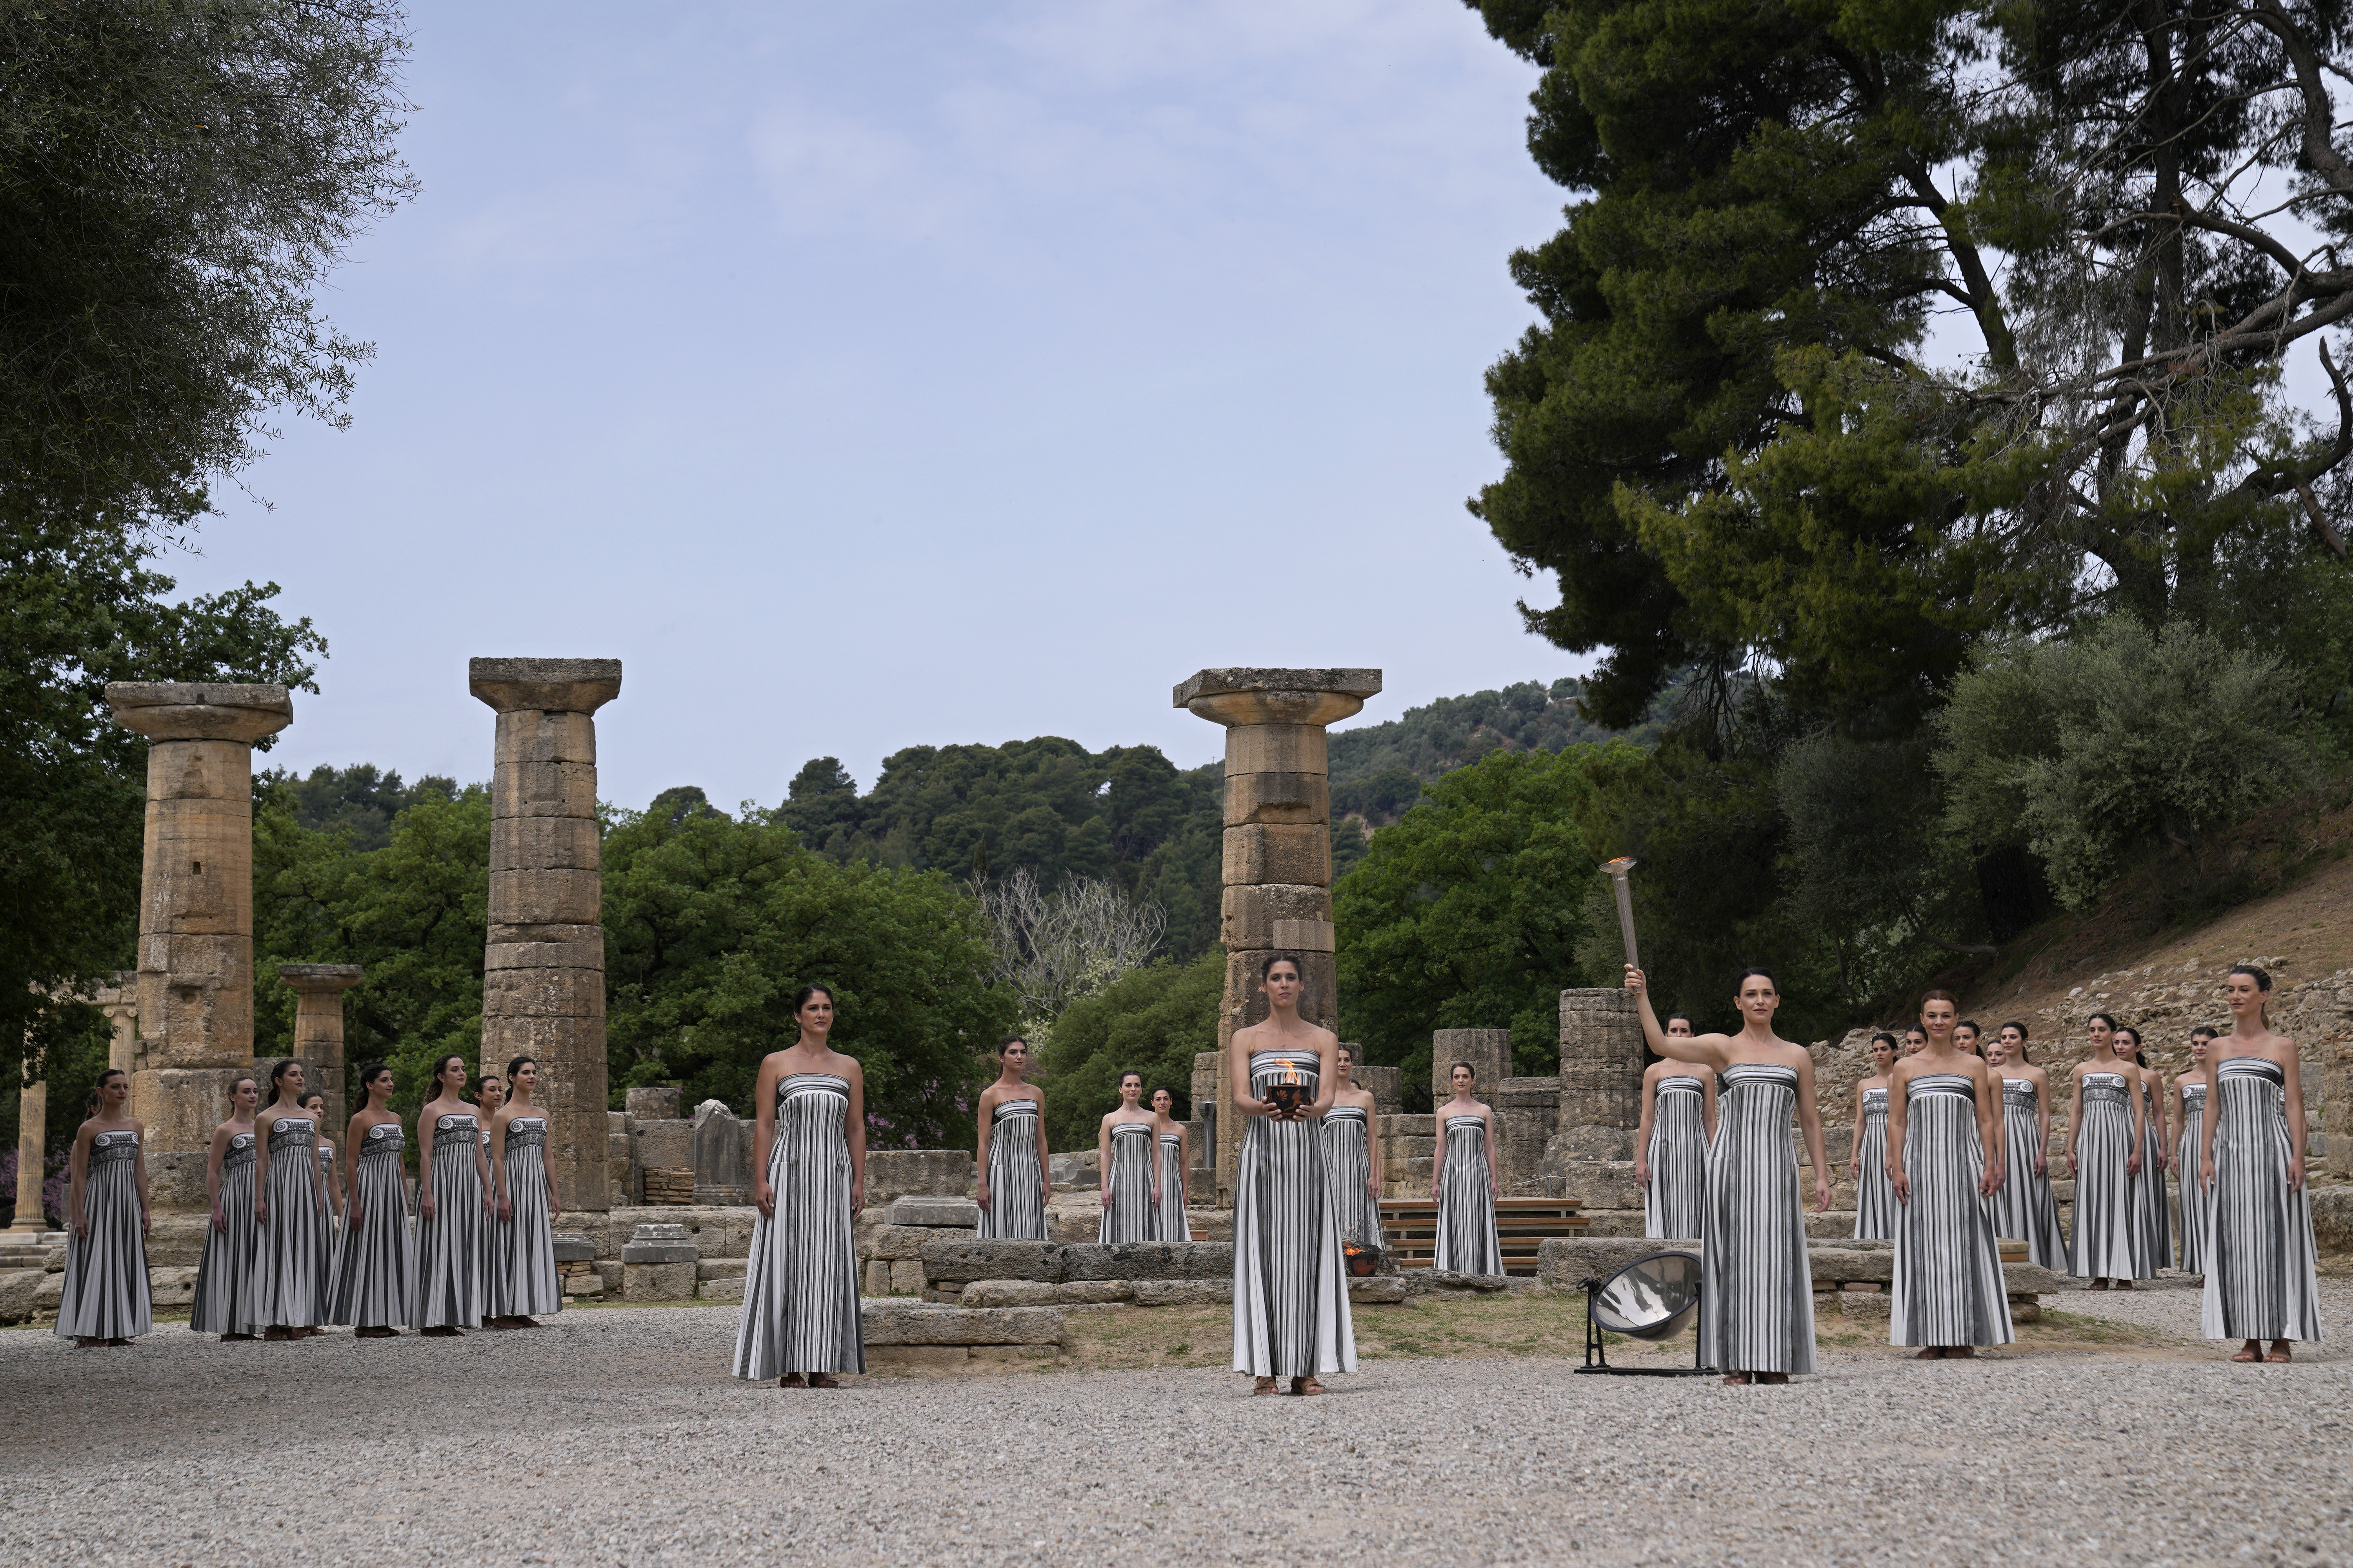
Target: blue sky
x,y
866,378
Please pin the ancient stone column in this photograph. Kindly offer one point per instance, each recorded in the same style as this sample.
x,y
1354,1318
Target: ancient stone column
x,y
119,1002
1600,1075
195,915
32,1135
1489,1052
1277,845
543,968
319,1030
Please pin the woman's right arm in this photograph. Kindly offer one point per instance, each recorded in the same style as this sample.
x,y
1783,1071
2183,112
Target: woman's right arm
x,y
260,1173
425,1205
1706,1049
2074,1120
980,1156
213,1176
764,1138
1854,1137
1103,1158
1642,1131
77,1164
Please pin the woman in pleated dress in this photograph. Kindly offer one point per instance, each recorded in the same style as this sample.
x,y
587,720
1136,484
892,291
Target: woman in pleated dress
x,y
1012,1157
1351,1154
453,1186
1670,1143
1875,1199
2261,1271
106,1299
2023,1207
1756,1287
1466,1182
224,1296
801,1323
1169,1221
490,1090
296,1243
528,1208
2190,1090
375,1269
1944,1160
2108,1245
1291,1284
331,1177
2156,1210
1125,1153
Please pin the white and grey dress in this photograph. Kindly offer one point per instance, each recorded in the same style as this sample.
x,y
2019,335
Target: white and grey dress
x,y
2188,1163
297,1241
1291,1284
2155,1212
526,1285
1756,1287
1128,1216
1875,1193
2108,1239
329,1177
1016,1187
2262,1278
1947,1286
224,1296
1677,1193
1467,1243
452,1287
1169,1221
800,1283
106,1295
1348,1157
2023,1208
375,1269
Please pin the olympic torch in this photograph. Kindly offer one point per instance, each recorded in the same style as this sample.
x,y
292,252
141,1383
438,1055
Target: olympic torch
x,y
1619,870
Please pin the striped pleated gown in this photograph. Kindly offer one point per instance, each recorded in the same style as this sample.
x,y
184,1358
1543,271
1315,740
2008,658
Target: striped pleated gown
x,y
800,1283
2023,1208
1169,1221
2107,1243
1677,1193
2185,1163
376,1269
296,1248
224,1296
1128,1216
452,1258
1290,1287
1875,1195
525,1284
106,1295
1467,1242
1348,1157
2155,1212
2260,1269
1947,1286
1016,1187
1756,1287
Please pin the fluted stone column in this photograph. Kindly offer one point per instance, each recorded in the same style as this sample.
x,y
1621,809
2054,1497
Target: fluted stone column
x,y
1489,1052
195,915
32,1136
1278,843
319,1030
1600,1075
543,968
119,1002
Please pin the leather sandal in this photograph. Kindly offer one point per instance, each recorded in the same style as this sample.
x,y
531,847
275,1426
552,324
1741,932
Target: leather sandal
x,y
2252,1352
2280,1352
1742,1378
1306,1386
1264,1386
792,1380
1773,1379
1928,1353
817,1379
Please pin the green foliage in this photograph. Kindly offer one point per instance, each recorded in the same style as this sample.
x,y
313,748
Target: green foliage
x,y
415,913
78,609
1377,769
2119,742
712,924
1124,815
357,802
176,178
1152,1020
1467,913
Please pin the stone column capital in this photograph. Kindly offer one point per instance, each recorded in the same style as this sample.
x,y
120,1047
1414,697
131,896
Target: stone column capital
x,y
1232,696
545,685
199,710
321,979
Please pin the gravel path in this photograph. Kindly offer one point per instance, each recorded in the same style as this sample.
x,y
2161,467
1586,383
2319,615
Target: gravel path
x,y
615,1437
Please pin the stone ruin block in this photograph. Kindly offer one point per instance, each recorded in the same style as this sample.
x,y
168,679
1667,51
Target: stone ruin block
x,y
923,1172
1150,1260
953,1259
893,1323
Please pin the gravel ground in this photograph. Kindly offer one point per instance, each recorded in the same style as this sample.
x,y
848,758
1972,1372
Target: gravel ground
x,y
616,1436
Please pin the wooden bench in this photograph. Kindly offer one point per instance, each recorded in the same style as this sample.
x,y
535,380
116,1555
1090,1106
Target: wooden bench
x,y
1410,1229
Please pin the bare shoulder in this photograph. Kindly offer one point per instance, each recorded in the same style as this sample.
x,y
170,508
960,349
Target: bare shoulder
x,y
139,1127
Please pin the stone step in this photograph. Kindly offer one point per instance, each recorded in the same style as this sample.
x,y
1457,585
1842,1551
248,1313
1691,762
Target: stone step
x,y
894,1322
